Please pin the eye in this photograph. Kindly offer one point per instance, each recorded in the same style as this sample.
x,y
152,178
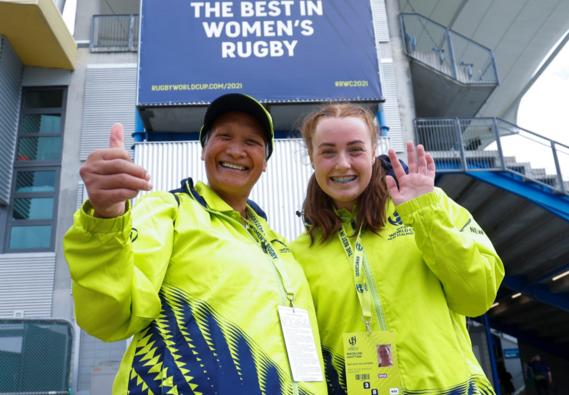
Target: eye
x,y
255,142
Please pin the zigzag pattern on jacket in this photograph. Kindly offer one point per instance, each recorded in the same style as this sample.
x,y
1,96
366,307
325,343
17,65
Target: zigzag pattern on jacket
x,y
191,349
336,378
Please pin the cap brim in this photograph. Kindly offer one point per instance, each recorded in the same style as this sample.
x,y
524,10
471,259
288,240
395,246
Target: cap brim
x,y
242,103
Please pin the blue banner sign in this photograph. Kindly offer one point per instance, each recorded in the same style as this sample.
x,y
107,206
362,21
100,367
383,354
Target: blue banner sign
x,y
512,354
277,51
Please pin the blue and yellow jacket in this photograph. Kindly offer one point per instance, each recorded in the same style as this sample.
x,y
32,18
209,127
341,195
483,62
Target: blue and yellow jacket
x,y
429,268
182,274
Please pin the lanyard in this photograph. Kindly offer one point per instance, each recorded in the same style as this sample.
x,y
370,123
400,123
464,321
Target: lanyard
x,y
268,248
357,260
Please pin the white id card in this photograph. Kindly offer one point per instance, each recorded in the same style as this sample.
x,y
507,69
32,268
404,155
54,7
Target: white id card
x,y
300,345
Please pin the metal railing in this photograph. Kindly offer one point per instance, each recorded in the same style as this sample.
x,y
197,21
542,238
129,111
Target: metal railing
x,y
447,51
35,356
491,144
114,33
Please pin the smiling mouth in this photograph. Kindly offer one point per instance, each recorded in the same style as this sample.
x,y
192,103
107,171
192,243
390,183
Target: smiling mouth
x,y
233,166
343,180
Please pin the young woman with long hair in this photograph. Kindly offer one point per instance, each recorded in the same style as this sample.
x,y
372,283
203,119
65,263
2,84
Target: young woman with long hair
x,y
426,263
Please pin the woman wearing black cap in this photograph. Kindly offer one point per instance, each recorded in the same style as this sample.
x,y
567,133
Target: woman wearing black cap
x,y
196,275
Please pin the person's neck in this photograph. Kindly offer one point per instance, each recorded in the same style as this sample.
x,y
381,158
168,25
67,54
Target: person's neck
x,y
340,205
237,202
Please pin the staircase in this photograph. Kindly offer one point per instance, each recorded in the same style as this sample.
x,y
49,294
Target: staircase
x,y
463,145
452,75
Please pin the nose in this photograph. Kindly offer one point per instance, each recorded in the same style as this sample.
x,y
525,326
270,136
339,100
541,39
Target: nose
x,y
236,149
343,162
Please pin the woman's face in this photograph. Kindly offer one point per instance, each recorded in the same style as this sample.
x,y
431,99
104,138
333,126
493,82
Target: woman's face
x,y
384,353
342,158
234,154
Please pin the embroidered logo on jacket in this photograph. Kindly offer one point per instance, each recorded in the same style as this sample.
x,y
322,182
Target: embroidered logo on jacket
x,y
402,230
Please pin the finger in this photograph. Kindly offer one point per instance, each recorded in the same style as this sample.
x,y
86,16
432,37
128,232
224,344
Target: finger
x,y
113,153
422,161
397,168
431,165
411,158
117,166
122,180
116,139
391,186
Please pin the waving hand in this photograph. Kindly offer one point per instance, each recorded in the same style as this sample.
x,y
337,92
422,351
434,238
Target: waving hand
x,y
419,181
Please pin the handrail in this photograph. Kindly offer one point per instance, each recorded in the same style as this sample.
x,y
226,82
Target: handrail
x,y
478,144
114,33
423,37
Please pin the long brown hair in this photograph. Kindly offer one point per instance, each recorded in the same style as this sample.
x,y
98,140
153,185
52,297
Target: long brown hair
x,y
318,209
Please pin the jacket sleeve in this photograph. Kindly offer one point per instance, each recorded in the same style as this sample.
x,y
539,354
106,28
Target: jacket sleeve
x,y
118,268
456,250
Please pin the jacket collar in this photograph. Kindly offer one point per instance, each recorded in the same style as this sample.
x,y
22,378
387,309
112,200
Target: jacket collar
x,y
209,199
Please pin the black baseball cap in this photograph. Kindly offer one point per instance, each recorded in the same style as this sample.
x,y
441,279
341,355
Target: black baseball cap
x,y
243,103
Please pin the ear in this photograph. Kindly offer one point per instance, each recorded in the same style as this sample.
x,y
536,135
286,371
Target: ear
x,y
203,154
265,165
374,152
311,161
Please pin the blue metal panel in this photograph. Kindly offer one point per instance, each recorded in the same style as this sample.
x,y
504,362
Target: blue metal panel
x,y
492,355
538,195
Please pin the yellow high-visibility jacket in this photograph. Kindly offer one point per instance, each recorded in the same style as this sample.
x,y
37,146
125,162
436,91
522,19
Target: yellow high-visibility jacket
x,y
428,268
196,290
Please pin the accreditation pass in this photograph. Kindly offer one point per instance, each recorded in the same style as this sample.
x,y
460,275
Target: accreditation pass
x,y
300,345
371,363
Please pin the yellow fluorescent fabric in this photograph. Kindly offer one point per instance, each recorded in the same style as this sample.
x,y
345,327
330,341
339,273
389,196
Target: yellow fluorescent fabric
x,y
194,288
431,265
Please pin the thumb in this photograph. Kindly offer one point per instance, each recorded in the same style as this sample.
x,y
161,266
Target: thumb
x,y
116,139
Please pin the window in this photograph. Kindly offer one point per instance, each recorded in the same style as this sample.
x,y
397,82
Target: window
x,y
32,214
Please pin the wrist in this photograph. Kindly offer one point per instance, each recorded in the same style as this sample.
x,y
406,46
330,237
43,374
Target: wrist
x,y
117,210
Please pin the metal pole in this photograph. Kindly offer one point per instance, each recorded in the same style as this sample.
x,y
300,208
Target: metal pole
x,y
499,143
131,34
94,21
497,388
461,145
451,54
558,168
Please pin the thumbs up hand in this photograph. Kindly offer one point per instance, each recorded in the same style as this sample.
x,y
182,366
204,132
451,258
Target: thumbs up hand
x,y
111,178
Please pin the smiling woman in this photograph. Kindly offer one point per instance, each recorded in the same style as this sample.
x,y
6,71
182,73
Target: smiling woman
x,y
235,156
399,257
195,274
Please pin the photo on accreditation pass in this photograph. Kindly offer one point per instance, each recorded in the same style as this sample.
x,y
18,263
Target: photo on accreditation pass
x,y
384,358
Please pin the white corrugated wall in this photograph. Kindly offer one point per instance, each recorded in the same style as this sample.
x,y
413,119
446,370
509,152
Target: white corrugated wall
x,y
280,191
389,88
26,284
41,76
380,20
11,69
110,94
391,106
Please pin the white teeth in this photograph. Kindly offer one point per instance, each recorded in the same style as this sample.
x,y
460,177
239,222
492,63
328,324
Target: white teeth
x,y
232,166
343,180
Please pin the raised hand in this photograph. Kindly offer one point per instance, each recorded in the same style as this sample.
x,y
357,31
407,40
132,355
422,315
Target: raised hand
x,y
111,178
419,181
